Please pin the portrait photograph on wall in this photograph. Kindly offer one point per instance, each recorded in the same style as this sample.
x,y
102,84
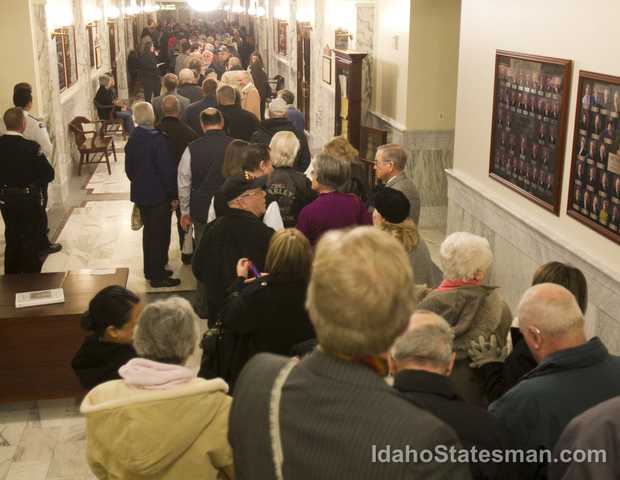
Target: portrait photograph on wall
x,y
530,110
594,195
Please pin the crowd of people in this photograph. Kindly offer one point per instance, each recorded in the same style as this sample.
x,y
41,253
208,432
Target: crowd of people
x,y
336,347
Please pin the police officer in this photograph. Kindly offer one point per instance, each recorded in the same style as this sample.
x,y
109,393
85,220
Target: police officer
x,y
37,132
23,170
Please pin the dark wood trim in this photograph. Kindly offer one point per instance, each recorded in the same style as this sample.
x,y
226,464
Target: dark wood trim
x,y
560,141
570,211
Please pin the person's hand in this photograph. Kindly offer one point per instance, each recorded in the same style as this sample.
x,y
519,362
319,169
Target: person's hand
x,y
174,204
186,221
243,267
483,352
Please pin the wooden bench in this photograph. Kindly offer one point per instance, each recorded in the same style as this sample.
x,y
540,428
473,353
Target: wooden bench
x,y
37,344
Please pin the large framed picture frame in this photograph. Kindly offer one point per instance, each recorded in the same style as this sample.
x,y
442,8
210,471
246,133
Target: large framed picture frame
x,y
530,112
594,192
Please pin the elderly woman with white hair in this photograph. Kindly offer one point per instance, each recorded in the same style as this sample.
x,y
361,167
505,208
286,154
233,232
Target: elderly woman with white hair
x,y
285,185
160,421
151,168
334,403
332,209
108,107
471,308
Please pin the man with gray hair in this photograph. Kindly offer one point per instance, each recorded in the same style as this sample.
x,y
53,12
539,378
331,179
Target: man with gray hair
x,y
390,162
189,88
421,361
278,122
150,166
170,83
108,107
573,374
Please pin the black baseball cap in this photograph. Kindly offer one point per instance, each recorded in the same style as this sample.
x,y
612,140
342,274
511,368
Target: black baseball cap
x,y
233,187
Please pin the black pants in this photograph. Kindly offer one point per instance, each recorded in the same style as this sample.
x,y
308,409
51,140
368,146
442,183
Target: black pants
x,y
44,240
22,231
152,88
180,228
155,239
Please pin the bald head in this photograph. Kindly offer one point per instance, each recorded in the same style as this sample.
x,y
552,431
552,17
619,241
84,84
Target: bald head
x,y
170,106
551,308
426,345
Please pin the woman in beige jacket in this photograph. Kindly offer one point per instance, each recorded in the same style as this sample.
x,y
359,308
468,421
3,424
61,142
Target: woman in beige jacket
x,y
160,421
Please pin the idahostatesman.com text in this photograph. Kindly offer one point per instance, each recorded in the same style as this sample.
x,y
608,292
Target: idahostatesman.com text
x,y
452,454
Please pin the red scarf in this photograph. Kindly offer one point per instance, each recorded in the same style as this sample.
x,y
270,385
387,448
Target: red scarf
x,y
448,284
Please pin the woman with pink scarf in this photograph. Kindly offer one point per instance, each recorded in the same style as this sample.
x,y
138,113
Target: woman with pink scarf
x,y
160,421
472,308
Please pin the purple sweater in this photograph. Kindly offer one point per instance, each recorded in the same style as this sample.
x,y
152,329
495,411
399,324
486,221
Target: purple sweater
x,y
332,211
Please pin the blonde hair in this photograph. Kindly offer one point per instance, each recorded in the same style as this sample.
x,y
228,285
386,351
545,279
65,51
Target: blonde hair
x,y
289,255
284,147
340,147
406,232
463,254
361,291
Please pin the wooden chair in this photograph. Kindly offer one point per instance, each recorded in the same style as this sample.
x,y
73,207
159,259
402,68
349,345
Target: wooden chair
x,y
93,145
111,124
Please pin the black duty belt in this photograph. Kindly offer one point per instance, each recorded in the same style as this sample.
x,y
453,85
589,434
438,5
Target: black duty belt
x,y
6,191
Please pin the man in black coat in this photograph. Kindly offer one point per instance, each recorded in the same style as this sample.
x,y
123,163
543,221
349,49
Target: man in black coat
x,y
239,233
150,166
189,88
422,360
22,172
191,116
278,122
179,136
238,123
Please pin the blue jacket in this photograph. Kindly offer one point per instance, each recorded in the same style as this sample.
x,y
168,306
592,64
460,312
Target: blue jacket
x,y
562,386
150,166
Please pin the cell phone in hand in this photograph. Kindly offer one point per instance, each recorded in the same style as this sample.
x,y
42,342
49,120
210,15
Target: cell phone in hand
x,y
254,270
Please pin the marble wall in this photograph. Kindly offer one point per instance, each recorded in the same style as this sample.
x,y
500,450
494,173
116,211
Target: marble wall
x,y
521,243
430,154
77,100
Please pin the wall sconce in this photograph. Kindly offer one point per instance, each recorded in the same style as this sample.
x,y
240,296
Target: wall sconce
x,y
305,15
59,13
281,13
342,39
112,13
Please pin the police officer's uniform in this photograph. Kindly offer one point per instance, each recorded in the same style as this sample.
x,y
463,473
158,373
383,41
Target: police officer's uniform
x,y
22,172
37,132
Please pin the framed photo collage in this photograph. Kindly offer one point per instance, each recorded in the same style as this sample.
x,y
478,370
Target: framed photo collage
x,y
530,112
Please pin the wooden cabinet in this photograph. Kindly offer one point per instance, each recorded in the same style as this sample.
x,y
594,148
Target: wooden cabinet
x,y
349,94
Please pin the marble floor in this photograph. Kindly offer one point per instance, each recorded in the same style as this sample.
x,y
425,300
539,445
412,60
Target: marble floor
x,y
43,440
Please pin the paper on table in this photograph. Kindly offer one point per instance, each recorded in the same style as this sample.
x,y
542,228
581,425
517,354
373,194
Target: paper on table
x,y
98,271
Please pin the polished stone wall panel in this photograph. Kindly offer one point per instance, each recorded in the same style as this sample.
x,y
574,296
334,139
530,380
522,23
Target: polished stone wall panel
x,y
521,244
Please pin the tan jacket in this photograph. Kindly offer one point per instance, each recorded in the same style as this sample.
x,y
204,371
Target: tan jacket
x,y
181,433
472,311
250,99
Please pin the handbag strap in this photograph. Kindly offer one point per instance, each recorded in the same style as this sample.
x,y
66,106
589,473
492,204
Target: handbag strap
x,y
274,416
